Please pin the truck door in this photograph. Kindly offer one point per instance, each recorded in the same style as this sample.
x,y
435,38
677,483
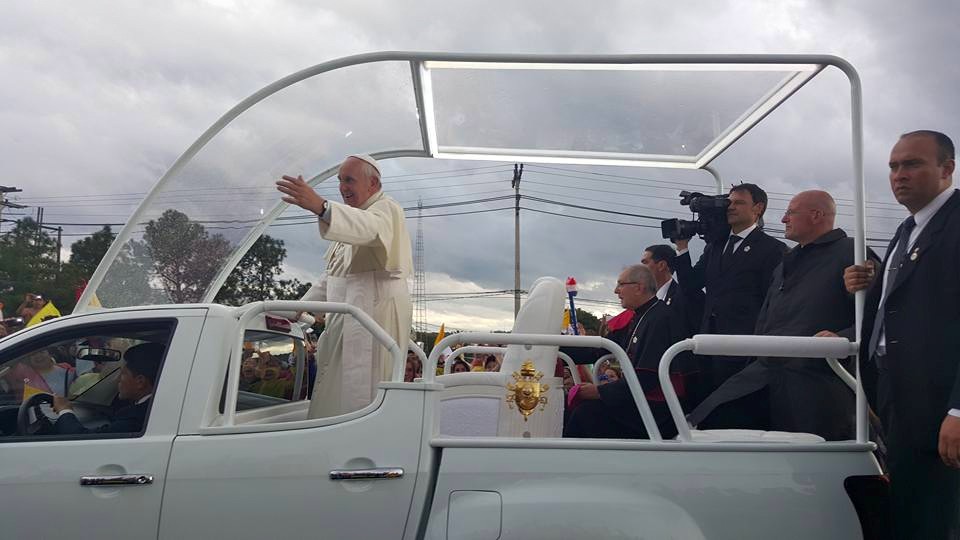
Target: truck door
x,y
277,474
90,471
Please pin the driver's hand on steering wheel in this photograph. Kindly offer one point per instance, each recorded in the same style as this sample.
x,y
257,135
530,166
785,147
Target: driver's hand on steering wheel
x,y
61,404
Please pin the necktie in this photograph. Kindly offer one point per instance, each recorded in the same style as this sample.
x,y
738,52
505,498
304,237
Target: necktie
x,y
895,262
728,251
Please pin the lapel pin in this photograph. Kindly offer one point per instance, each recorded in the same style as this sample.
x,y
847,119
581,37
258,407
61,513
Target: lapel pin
x,y
915,254
746,249
634,340
669,300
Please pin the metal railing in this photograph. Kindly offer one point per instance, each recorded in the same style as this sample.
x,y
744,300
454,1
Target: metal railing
x,y
529,340
776,346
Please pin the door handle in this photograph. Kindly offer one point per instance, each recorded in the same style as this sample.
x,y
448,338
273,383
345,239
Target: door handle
x,y
366,474
117,480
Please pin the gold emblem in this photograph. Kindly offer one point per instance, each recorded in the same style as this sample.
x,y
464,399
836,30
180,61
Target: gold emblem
x,y
527,392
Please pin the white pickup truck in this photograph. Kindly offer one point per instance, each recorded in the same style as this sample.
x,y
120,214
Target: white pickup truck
x,y
220,460
230,449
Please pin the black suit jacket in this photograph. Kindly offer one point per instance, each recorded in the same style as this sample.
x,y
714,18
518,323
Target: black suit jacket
x,y
918,382
735,292
129,419
654,334
687,306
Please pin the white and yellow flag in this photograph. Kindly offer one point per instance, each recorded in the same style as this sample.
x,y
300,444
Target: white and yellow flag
x,y
46,311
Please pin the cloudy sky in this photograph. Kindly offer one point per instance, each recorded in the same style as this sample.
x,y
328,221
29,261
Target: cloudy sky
x,y
100,98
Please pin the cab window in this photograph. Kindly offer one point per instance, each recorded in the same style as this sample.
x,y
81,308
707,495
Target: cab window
x,y
273,370
95,381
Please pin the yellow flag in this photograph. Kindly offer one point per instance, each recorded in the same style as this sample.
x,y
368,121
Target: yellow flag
x,y
48,310
30,391
440,335
566,319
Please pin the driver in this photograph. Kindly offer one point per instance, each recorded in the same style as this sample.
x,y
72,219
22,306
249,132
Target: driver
x,y
137,379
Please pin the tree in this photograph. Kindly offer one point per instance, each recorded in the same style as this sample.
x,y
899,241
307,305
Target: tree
x,y
127,283
185,256
256,277
86,254
28,263
588,320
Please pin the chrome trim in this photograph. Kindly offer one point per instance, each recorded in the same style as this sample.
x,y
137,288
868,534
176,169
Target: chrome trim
x,y
366,474
117,480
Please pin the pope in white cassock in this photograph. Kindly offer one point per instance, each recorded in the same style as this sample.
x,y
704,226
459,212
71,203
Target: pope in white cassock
x,y
368,264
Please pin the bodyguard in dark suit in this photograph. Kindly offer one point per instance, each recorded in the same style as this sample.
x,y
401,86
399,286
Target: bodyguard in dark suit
x,y
807,295
686,308
911,334
736,274
609,410
685,302
136,385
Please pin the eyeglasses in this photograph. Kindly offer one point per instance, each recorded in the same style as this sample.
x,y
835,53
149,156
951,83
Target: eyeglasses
x,y
622,283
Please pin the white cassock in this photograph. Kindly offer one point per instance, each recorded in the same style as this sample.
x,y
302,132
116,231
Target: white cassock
x,y
367,266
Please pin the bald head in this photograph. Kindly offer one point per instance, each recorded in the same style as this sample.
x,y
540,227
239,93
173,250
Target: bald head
x,y
809,216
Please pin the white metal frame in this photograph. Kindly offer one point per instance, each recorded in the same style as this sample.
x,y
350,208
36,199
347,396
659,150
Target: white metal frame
x,y
803,67
249,311
529,340
777,346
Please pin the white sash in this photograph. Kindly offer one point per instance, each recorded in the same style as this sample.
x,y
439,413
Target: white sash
x,y
358,375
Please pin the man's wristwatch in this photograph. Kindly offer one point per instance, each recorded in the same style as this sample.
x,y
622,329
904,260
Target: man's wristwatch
x,y
323,208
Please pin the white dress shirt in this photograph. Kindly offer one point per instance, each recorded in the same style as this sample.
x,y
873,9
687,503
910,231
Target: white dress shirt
x,y
742,235
662,291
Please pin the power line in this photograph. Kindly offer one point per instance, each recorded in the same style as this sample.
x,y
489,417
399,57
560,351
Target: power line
x,y
897,205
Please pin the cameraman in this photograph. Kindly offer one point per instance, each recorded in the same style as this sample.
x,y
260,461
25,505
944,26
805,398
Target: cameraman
x,y
736,273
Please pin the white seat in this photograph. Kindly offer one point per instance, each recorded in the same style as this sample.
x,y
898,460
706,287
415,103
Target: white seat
x,y
474,403
753,436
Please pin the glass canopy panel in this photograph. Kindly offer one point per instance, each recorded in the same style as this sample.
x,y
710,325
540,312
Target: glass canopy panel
x,y
198,218
651,112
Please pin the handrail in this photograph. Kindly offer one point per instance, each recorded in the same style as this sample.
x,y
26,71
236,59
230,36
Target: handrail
x,y
777,346
547,339
247,312
415,349
596,365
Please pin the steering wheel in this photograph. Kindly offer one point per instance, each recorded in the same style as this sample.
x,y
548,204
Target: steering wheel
x,y
24,426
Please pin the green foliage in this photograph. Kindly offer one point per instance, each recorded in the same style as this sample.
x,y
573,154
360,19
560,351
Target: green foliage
x,y
256,277
28,263
175,261
185,256
588,320
86,254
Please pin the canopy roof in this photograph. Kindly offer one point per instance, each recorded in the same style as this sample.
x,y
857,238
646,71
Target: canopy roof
x,y
203,215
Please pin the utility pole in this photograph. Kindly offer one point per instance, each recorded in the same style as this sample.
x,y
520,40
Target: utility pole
x,y
4,203
419,280
515,184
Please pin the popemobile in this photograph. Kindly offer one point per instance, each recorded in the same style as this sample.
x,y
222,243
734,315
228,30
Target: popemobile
x,y
229,446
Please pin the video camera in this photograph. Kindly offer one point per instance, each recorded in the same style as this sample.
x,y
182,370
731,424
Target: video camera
x,y
710,223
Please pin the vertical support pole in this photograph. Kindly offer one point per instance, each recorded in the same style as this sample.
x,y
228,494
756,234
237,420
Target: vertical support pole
x,y
59,245
515,184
